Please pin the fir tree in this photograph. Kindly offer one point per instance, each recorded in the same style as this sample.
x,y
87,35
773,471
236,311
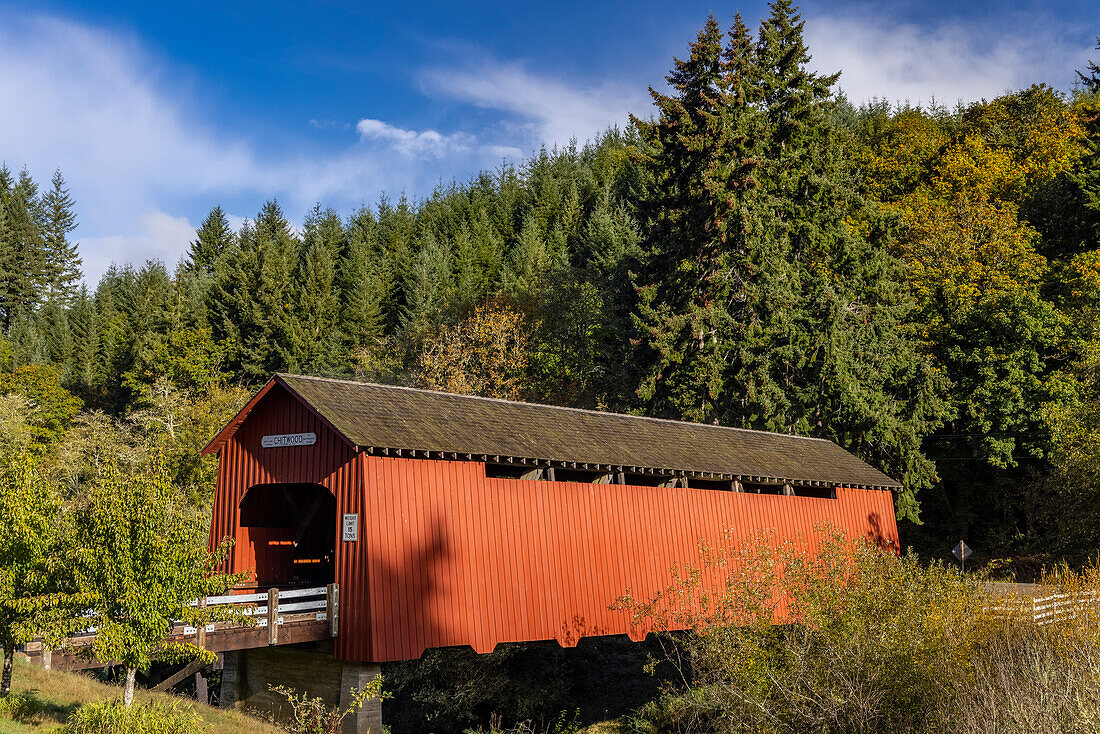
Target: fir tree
x,y
62,262
1086,174
251,303
22,255
317,298
359,284
84,366
213,238
429,283
758,304
700,153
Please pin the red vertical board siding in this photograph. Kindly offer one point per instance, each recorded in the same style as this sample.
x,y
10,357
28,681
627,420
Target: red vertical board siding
x,y
476,561
446,556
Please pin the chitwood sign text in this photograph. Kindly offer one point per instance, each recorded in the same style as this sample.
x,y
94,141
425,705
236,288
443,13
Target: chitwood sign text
x,y
283,440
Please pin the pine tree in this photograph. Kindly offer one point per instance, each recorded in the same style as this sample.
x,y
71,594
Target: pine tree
x,y
759,304
316,294
54,322
22,255
213,238
7,252
1086,174
532,258
83,369
429,284
62,262
251,303
701,154
396,234
359,284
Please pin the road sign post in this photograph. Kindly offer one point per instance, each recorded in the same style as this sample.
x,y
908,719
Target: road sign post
x,y
962,551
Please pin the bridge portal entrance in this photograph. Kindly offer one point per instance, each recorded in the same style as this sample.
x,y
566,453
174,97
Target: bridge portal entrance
x,y
293,531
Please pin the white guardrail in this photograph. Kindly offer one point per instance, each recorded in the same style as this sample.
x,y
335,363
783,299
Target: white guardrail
x,y
268,608
1053,607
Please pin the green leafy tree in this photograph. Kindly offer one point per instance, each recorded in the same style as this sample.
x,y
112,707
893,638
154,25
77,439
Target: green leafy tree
x,y
52,406
140,561
29,518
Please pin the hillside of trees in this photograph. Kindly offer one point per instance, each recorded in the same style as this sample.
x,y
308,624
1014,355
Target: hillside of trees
x,y
920,284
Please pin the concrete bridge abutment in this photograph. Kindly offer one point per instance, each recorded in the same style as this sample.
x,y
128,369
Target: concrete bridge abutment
x,y
249,675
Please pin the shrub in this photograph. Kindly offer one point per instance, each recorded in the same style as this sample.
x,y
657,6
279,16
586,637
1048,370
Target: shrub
x,y
855,639
1037,678
314,716
22,706
851,638
1041,680
112,717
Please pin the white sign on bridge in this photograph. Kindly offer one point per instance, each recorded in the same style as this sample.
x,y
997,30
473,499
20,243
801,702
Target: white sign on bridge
x,y
288,439
351,527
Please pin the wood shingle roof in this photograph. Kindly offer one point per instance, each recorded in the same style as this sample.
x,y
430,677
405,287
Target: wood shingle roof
x,y
389,419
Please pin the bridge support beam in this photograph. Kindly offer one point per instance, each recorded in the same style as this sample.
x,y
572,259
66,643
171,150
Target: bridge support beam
x,y
369,717
231,666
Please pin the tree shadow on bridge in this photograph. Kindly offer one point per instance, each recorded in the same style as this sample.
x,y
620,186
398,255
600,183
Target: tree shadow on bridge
x,y
578,628
409,611
876,536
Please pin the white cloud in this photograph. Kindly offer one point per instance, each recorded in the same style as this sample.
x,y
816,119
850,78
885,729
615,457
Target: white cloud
x,y
950,61
549,111
162,237
137,156
411,142
124,132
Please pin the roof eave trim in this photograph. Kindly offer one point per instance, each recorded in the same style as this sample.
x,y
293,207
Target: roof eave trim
x,y
234,423
396,452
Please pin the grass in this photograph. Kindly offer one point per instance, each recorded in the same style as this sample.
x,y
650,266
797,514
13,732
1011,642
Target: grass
x,y
42,701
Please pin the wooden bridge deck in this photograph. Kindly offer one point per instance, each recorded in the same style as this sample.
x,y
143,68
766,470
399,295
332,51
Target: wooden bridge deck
x,y
279,618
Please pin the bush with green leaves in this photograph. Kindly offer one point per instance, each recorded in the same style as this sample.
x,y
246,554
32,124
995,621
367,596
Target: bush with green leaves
x,y
850,638
853,638
311,715
29,516
113,717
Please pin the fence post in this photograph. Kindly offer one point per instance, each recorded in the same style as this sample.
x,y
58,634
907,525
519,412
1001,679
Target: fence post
x,y
201,636
332,607
273,616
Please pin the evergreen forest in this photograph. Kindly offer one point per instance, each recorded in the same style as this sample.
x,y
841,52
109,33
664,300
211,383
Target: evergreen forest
x,y
920,284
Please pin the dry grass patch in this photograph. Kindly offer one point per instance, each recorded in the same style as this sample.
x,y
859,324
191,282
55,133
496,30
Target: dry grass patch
x,y
43,701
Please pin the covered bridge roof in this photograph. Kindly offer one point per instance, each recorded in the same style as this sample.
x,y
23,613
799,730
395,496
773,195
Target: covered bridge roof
x,y
405,421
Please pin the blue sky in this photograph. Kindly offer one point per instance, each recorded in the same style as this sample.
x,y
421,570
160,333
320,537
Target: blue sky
x,y
157,111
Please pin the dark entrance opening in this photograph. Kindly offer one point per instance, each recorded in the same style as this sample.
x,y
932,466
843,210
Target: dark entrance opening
x,y
294,531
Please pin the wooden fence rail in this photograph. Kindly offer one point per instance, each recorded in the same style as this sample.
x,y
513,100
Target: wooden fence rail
x,y
1042,605
278,617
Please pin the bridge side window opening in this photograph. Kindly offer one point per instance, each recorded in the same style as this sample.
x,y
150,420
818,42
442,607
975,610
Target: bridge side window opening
x,y
293,530
515,471
712,484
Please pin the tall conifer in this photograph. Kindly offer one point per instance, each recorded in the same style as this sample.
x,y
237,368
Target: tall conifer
x,y
316,294
213,237
62,261
759,304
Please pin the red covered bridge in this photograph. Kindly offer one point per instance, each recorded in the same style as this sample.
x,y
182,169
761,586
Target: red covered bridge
x,y
456,520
